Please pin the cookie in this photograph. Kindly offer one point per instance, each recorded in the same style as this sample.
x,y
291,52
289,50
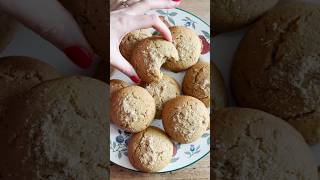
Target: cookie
x,y
92,18
162,91
150,150
132,108
196,82
189,48
276,68
185,118
149,55
116,85
58,131
252,144
18,74
233,14
129,41
7,30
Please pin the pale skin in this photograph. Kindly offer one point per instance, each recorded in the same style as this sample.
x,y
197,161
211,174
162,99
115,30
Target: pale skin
x,y
54,23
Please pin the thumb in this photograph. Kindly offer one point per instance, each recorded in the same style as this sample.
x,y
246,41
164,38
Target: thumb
x,y
54,23
119,62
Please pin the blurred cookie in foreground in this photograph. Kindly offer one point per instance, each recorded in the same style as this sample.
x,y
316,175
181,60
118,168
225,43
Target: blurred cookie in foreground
x,y
59,131
251,144
229,15
276,68
150,150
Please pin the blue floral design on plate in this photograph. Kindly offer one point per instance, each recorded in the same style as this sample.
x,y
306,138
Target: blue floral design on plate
x,y
192,150
168,15
189,22
120,144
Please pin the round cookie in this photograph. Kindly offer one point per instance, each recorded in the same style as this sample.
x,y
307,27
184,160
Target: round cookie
x,y
92,18
196,82
233,14
149,55
252,144
7,30
18,74
132,109
150,150
58,131
162,91
116,85
185,118
130,40
189,47
276,68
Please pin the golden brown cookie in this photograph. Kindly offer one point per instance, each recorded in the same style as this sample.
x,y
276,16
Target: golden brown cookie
x,y
252,144
18,74
276,68
150,150
189,47
162,91
7,30
132,108
116,85
131,39
149,55
233,14
58,131
185,118
92,18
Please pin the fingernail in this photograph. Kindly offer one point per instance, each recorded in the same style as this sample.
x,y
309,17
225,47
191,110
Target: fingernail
x,y
176,0
135,79
78,55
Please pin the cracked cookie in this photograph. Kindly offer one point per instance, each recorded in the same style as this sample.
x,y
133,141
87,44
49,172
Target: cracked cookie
x,y
162,91
18,74
116,85
277,66
252,144
58,131
185,118
149,55
129,41
150,150
233,14
132,108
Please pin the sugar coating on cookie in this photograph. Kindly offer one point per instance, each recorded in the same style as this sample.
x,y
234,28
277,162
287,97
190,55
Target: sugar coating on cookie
x,y
196,82
149,55
132,108
185,118
59,131
275,68
150,150
189,47
116,85
162,91
233,14
129,41
252,144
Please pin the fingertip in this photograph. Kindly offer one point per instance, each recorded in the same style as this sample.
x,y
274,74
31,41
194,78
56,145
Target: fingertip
x,y
79,56
135,79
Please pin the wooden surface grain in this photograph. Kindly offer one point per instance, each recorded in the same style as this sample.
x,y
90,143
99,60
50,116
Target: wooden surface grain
x,y
201,169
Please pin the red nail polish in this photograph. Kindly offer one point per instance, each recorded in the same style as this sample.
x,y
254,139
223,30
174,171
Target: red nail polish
x,y
78,55
176,0
135,79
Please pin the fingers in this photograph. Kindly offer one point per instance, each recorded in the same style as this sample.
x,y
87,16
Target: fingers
x,y
51,21
145,5
118,61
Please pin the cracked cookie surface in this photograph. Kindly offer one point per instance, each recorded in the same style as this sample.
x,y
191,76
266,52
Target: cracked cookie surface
x,y
251,144
185,118
116,85
277,67
132,108
150,150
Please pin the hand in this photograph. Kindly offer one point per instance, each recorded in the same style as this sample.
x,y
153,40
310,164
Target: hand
x,y
51,21
126,19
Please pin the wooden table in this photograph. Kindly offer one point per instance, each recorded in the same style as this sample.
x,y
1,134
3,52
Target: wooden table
x,y
199,170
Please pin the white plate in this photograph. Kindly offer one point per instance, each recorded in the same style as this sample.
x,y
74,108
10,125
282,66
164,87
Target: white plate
x,y
186,154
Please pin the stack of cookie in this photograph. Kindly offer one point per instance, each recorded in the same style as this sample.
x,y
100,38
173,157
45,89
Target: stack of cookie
x,y
275,70
185,116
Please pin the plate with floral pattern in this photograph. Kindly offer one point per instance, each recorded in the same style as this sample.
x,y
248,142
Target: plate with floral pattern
x,y
184,154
